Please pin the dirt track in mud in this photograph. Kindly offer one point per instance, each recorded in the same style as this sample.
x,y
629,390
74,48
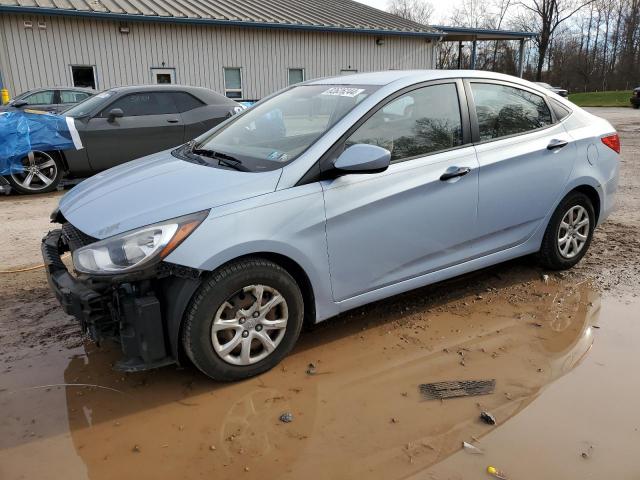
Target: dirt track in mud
x,y
561,349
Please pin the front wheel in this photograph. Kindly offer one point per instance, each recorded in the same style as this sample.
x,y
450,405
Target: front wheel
x,y
243,320
41,173
569,232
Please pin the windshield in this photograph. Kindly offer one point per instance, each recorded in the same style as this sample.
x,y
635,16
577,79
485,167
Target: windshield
x,y
91,104
275,132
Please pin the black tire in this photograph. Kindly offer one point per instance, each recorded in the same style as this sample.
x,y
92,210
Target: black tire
x,y
549,255
54,173
636,105
217,289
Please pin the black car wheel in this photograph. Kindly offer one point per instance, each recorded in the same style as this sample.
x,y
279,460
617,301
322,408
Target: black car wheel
x,y
42,173
569,232
243,320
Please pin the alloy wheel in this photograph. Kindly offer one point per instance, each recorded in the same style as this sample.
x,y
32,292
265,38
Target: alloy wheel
x,y
249,325
40,171
573,232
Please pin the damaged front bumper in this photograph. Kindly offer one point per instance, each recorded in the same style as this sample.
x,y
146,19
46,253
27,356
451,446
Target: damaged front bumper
x,y
142,310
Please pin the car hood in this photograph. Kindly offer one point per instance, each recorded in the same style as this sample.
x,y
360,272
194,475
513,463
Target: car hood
x,y
156,188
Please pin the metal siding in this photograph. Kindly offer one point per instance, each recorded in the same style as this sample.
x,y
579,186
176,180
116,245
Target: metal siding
x,y
198,53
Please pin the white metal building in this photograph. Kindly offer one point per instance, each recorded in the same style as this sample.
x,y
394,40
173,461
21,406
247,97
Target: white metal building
x,y
245,48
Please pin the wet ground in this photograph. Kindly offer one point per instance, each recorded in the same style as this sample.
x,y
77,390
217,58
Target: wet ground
x,y
561,348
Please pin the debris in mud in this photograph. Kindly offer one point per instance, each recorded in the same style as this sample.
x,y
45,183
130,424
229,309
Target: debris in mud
x,y
487,418
586,454
311,369
456,388
212,447
394,420
286,417
136,449
545,279
497,473
472,448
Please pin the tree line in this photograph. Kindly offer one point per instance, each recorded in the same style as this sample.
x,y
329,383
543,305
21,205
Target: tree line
x,y
582,45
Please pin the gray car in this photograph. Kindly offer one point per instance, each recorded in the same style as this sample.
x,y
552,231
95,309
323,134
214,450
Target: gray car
x,y
125,123
50,99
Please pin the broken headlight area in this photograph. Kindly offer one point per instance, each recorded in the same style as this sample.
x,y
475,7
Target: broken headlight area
x,y
141,309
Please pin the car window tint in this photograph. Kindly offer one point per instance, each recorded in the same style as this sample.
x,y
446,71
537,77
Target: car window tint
x,y
560,110
45,97
185,101
143,103
69,96
504,110
420,122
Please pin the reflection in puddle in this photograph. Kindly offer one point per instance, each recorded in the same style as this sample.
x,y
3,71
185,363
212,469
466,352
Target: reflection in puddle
x,y
360,414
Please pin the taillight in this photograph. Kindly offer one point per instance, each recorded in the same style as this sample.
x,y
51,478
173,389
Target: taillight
x,y
613,142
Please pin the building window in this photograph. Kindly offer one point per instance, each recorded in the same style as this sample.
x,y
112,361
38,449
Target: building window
x,y
163,75
83,76
233,83
348,72
296,75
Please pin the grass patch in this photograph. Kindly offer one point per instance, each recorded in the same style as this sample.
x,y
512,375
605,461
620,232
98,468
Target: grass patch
x,y
616,98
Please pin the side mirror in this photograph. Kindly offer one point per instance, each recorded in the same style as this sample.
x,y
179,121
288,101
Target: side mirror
x,y
19,103
115,113
363,158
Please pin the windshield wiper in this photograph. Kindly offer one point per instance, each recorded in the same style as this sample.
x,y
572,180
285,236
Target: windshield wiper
x,y
223,158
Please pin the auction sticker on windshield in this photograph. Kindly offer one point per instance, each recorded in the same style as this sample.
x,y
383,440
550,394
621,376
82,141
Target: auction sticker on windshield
x,y
343,91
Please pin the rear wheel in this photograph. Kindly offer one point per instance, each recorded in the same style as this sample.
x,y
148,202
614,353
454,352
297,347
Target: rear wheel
x,y
42,173
569,232
243,320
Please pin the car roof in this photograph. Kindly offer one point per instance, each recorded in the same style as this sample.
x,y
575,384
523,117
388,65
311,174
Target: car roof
x,y
205,94
391,76
61,87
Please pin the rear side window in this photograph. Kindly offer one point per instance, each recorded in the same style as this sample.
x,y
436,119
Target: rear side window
x,y
503,110
70,96
143,103
185,101
560,110
420,122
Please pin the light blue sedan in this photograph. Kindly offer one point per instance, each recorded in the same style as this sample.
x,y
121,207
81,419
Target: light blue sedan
x,y
323,197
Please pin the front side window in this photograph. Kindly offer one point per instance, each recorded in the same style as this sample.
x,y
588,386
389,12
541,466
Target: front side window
x,y
233,83
40,98
274,132
504,110
420,122
143,103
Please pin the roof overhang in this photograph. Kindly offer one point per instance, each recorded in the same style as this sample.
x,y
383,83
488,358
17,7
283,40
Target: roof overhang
x,y
125,17
464,34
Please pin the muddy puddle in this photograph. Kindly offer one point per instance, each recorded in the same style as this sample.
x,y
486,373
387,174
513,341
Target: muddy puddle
x,y
360,414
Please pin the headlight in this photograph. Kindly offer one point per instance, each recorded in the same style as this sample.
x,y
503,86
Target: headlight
x,y
131,250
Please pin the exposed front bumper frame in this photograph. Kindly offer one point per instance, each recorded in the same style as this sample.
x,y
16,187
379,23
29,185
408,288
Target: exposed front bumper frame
x,y
131,309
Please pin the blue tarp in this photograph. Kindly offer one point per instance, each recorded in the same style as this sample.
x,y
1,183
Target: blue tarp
x,y
24,131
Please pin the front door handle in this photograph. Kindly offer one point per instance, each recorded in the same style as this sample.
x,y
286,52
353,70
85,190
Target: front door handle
x,y
454,172
173,120
556,144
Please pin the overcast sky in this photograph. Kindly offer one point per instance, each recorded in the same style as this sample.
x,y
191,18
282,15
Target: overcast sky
x,y
441,9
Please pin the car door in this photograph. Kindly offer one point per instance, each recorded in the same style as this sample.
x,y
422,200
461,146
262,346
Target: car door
x,y
525,160
68,98
150,124
383,228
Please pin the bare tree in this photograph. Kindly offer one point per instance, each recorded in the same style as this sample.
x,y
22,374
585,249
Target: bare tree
x,y
419,11
548,15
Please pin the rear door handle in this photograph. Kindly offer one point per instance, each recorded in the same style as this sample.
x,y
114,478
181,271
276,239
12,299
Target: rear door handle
x,y
454,172
556,144
173,120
